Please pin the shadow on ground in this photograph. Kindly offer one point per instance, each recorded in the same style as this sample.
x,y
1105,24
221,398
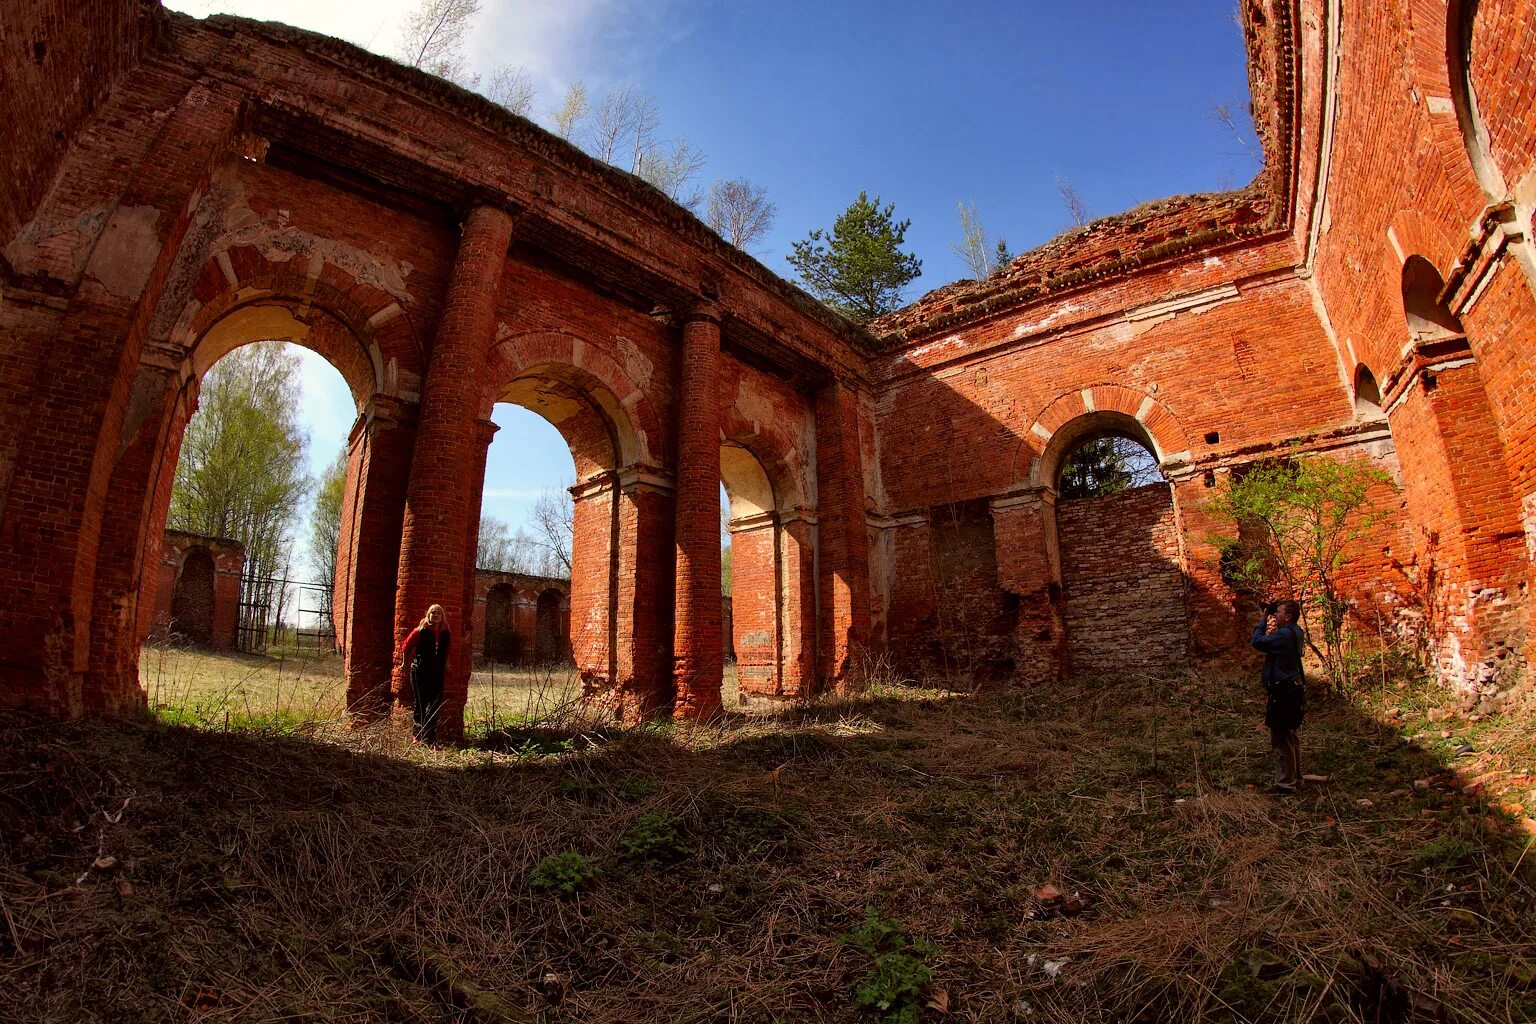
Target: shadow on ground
x,y
728,873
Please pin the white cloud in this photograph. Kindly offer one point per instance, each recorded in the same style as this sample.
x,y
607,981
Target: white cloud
x,y
603,42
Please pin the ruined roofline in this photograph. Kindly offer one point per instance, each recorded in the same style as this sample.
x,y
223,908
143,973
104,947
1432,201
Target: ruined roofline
x,y
528,576
497,119
1154,234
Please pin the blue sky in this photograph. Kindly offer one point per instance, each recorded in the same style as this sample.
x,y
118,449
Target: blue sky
x,y
927,104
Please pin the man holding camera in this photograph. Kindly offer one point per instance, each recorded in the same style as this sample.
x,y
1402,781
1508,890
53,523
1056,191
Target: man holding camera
x,y
1279,637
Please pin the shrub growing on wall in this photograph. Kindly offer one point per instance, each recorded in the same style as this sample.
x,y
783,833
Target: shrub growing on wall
x,y
1296,521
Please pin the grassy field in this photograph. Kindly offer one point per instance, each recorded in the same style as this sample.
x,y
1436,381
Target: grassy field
x,y
1092,851
295,691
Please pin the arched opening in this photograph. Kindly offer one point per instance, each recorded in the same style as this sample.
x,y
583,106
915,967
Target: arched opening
x,y
549,633
1367,394
1428,318
562,475
1118,537
501,639
240,448
755,595
192,598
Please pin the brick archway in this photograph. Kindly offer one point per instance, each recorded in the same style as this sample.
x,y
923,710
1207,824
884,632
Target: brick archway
x,y
619,632
1111,408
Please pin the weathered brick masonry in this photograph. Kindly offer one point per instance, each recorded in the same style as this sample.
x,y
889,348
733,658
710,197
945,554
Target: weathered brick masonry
x,y
195,186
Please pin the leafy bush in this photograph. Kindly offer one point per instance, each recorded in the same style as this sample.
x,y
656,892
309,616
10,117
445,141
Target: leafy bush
x,y
895,984
654,840
565,873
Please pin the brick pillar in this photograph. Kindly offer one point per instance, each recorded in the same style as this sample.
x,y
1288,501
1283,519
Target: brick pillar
x,y
645,596
1028,557
844,540
797,603
127,560
368,550
437,498
460,654
756,604
1458,495
698,657
67,425
594,557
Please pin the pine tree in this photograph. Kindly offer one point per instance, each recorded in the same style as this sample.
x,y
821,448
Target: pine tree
x,y
858,269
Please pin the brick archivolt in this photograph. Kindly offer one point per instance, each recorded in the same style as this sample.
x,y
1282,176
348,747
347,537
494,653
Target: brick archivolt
x,y
242,296
584,367
1109,408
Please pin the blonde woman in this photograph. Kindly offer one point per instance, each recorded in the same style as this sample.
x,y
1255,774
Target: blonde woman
x,y
425,651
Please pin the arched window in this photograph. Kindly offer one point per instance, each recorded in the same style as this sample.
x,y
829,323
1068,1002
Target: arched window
x,y
1428,318
1367,394
1105,463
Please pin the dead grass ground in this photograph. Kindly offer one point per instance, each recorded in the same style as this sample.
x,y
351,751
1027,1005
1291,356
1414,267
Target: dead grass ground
x,y
727,873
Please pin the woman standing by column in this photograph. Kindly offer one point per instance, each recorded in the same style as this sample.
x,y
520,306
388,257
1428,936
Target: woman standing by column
x,y
425,651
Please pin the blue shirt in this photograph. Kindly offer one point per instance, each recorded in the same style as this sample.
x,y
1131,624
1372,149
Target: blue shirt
x,y
1282,652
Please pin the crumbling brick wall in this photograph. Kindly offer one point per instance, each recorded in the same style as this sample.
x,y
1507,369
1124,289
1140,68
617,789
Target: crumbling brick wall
x,y
1123,582
196,594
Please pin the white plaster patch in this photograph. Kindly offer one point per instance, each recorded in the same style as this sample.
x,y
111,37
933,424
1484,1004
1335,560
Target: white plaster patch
x,y
1528,517
1039,325
1088,399
227,269
1147,405
1441,105
953,341
755,408
385,315
1039,430
635,364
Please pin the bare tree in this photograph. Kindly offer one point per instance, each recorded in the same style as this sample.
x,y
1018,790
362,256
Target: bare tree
x,y
739,211
572,113
1072,201
1246,140
433,39
972,248
616,122
673,171
512,88
554,524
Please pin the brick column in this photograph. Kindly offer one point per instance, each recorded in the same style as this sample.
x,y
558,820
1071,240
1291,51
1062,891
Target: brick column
x,y
797,603
1028,556
127,559
460,655
698,657
645,596
756,605
437,498
368,550
843,534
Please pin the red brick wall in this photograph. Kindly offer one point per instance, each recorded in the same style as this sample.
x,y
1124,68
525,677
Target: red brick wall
x,y
507,623
59,56
1123,582
213,601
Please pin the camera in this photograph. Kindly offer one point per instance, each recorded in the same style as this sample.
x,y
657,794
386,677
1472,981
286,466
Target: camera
x,y
1270,607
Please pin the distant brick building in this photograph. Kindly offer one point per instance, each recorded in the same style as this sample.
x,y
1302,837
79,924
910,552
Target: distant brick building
x,y
521,619
196,595
175,188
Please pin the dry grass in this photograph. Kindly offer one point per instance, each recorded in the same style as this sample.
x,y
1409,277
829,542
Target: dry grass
x,y
353,877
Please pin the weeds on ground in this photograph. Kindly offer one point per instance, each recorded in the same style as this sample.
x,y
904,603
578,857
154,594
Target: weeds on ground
x,y
1090,851
565,873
